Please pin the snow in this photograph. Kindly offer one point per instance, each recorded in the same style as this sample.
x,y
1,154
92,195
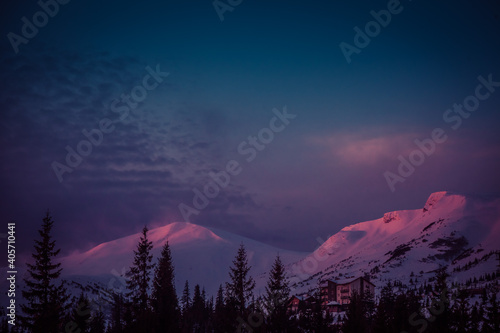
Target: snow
x,y
402,242
388,248
201,255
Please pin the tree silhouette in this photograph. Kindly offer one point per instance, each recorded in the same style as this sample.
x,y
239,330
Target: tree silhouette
x,y
164,298
276,298
241,285
138,283
46,305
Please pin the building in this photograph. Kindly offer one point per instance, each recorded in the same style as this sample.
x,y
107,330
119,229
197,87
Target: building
x,y
333,306
335,295
341,292
297,303
293,303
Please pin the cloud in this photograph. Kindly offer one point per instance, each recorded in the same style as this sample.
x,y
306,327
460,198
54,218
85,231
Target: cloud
x,y
361,148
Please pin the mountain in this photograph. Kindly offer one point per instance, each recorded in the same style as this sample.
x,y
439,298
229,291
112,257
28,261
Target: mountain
x,y
201,255
454,230
458,231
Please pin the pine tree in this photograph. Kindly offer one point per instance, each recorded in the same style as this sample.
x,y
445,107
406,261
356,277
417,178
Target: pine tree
x,y
276,298
230,313
492,321
384,316
241,285
97,322
4,325
186,298
186,309
164,298
46,305
219,310
440,308
138,283
475,319
356,316
460,313
80,315
320,319
118,310
198,311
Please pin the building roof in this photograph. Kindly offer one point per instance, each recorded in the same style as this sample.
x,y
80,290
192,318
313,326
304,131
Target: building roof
x,y
349,281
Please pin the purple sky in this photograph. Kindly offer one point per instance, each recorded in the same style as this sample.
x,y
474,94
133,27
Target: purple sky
x,y
320,172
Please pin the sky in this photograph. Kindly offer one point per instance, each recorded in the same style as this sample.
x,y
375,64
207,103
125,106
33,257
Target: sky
x,y
307,114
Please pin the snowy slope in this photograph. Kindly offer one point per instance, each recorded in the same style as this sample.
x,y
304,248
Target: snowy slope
x,y
451,229
201,255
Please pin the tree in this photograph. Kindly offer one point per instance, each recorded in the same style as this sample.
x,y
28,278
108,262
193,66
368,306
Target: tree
x,y
186,308
80,315
358,313
492,311
440,309
98,322
164,301
406,313
117,321
4,325
460,313
475,319
138,284
219,317
241,285
384,316
197,313
276,298
46,303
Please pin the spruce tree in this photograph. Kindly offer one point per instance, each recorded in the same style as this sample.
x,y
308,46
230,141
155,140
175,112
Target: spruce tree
x,y
46,303
219,310
440,307
164,298
138,284
241,285
80,315
186,309
475,319
492,320
358,314
197,315
97,322
4,325
186,298
460,313
276,298
384,315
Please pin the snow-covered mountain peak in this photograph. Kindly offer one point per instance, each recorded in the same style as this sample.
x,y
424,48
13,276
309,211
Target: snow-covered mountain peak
x,y
180,232
201,255
433,199
451,230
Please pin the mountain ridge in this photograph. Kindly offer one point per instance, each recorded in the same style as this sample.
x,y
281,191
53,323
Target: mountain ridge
x,y
402,243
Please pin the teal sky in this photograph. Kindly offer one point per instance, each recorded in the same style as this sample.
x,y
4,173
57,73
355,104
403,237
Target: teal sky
x,y
324,171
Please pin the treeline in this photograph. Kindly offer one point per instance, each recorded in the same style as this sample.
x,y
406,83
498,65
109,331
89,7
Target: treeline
x,y
151,304
431,308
